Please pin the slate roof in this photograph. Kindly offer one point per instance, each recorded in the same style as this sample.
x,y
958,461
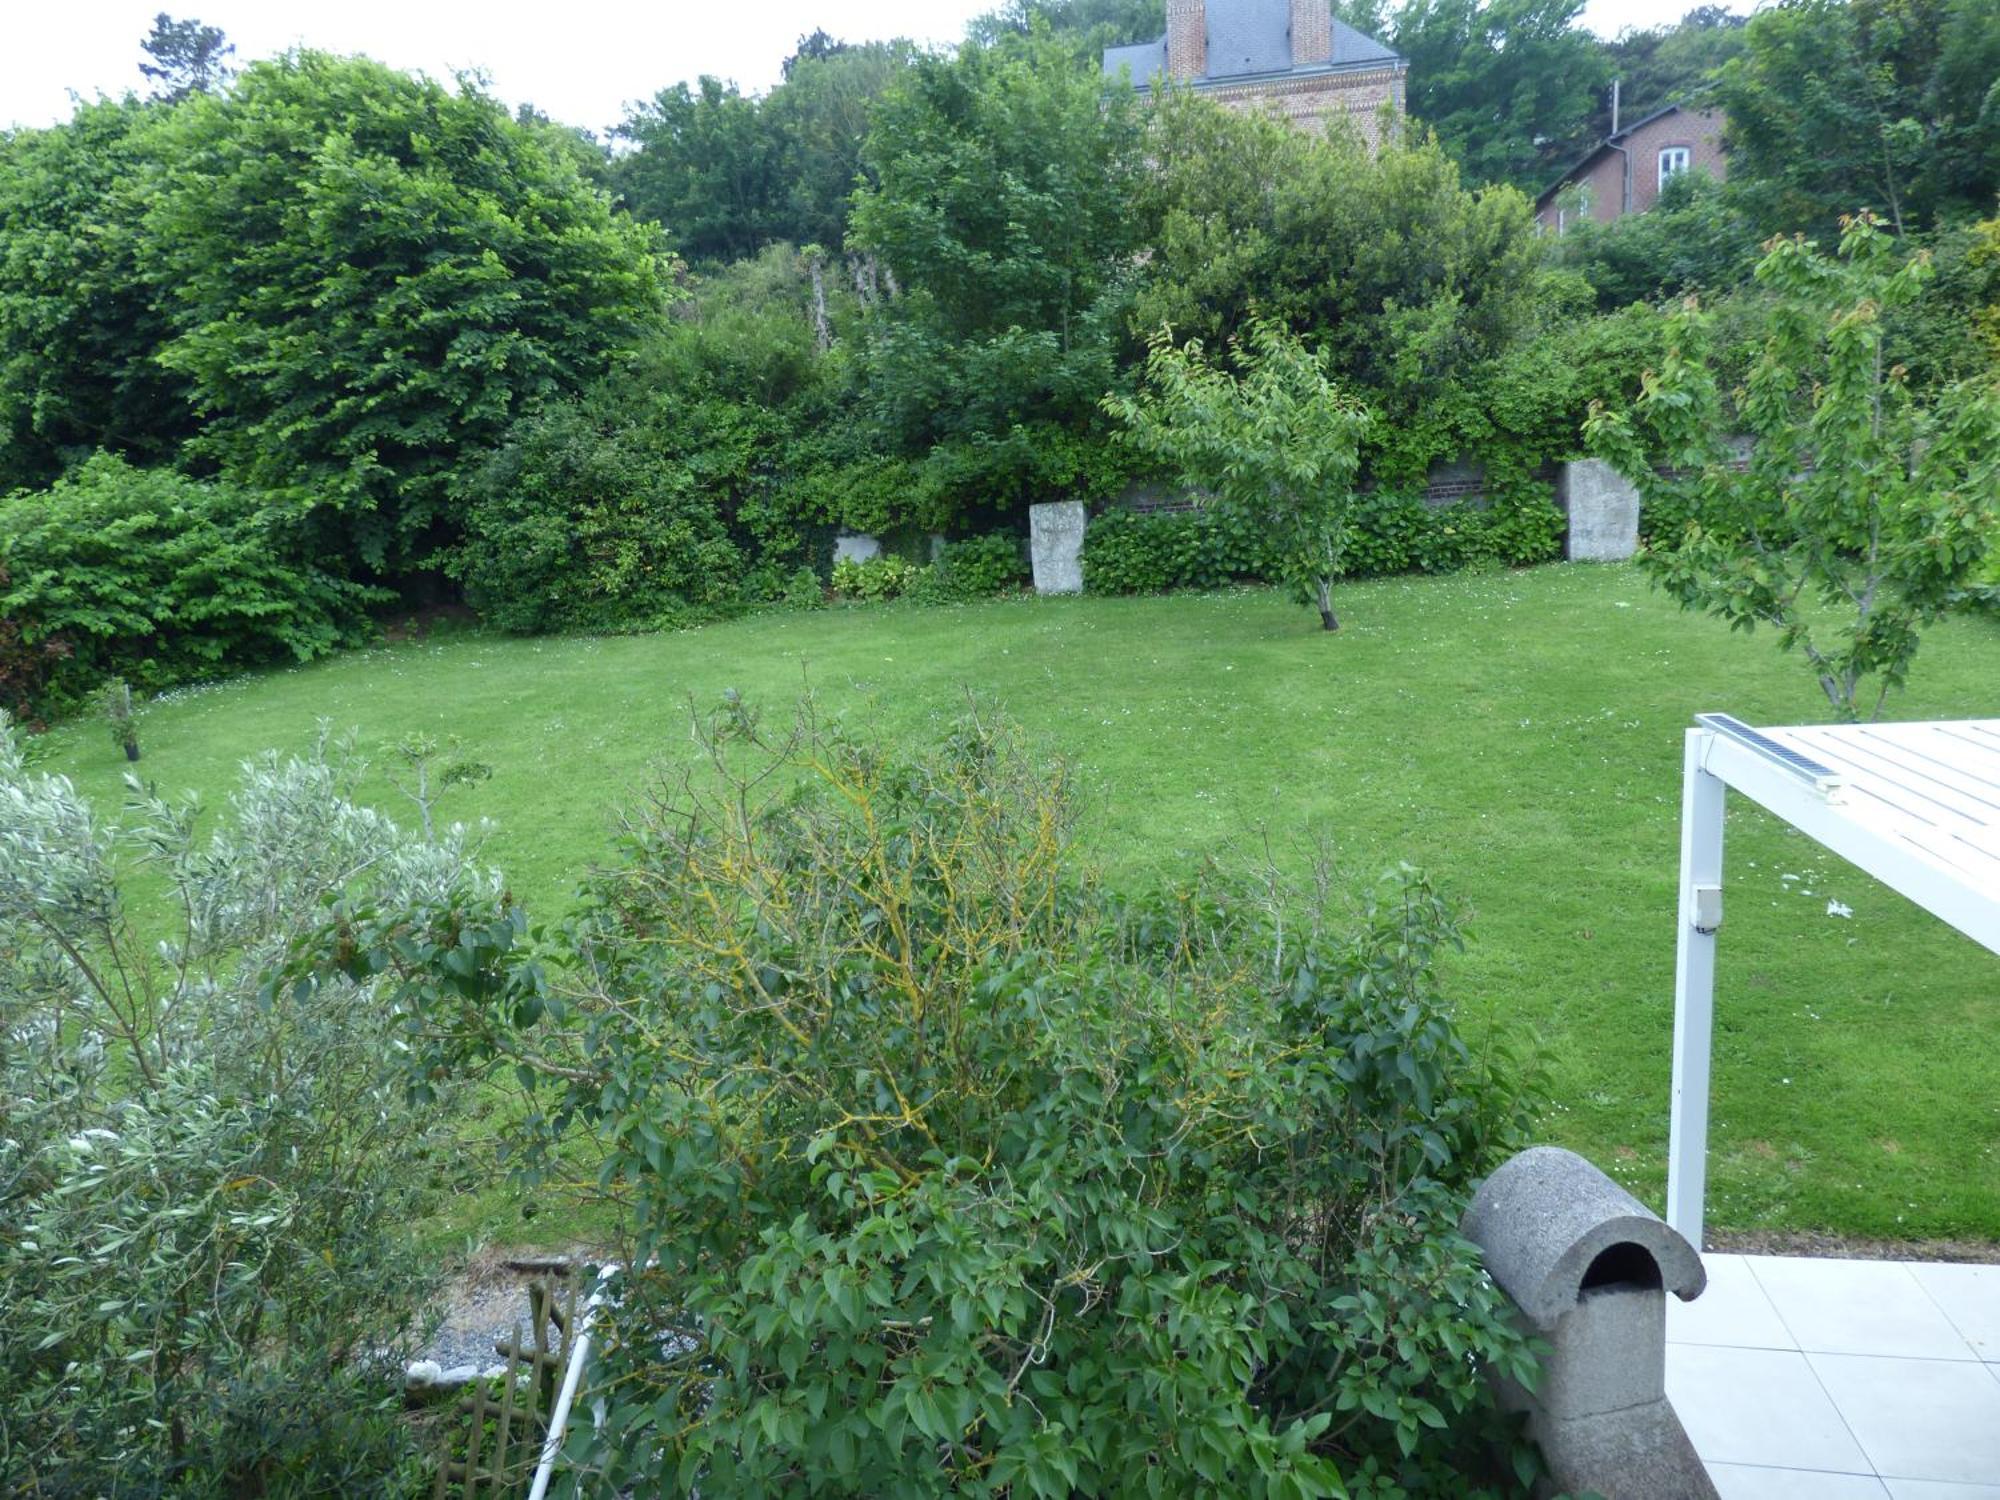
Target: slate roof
x,y
1250,39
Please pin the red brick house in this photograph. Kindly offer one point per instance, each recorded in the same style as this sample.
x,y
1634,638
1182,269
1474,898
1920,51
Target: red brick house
x,y
1292,56
1625,173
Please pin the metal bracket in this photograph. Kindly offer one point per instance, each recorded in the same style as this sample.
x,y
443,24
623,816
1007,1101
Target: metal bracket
x,y
1707,908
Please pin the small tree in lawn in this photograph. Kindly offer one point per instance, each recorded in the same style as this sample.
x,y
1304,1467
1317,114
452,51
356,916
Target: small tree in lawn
x,y
1862,512
1275,438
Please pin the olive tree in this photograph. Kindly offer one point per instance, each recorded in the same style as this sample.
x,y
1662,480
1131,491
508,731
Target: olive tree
x,y
204,1176
1862,512
1275,438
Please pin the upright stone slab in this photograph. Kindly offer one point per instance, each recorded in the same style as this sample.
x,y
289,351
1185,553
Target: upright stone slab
x,y
1589,1268
855,547
1055,541
1603,511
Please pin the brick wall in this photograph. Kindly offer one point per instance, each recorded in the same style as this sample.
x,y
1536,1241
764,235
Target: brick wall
x,y
1700,131
1310,103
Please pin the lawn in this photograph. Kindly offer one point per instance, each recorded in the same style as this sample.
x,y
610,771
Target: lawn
x,y
1517,734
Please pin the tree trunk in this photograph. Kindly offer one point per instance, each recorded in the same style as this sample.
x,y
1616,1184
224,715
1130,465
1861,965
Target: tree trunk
x,y
1323,590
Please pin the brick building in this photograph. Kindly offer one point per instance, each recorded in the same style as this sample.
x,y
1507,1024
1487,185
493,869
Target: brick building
x,y
1287,55
1626,171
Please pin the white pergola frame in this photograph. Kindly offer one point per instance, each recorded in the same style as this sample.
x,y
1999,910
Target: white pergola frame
x,y
1917,806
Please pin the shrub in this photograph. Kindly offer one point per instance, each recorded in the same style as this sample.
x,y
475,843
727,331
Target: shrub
x,y
203,1175
160,579
1127,552
963,1173
873,580
586,520
978,568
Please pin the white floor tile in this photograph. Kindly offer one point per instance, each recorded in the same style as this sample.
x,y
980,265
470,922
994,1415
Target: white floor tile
x,y
1932,1489
1918,1418
1732,1310
1857,1307
1759,1406
1970,1298
1742,1482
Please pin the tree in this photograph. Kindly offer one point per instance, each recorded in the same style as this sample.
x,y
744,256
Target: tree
x,y
1889,105
80,322
188,58
1004,207
1668,64
1277,440
727,174
1509,85
704,169
1862,511
368,277
1694,238
1404,278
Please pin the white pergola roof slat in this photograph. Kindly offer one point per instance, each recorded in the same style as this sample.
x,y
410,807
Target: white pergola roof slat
x,y
1917,806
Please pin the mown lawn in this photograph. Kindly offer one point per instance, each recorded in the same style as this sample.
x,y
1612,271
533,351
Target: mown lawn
x,y
1517,734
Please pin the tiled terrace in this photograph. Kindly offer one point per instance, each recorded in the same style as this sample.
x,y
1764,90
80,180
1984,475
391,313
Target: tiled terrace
x,y
1807,1379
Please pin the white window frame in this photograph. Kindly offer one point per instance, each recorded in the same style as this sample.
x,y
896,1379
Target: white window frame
x,y
1675,160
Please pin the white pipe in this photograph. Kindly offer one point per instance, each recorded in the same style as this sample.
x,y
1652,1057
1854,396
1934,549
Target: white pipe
x,y
579,1355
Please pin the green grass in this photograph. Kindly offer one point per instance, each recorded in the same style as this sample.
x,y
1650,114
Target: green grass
x,y
1519,735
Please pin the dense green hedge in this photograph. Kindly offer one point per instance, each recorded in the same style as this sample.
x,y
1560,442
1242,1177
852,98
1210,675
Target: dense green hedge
x,y
149,575
1131,552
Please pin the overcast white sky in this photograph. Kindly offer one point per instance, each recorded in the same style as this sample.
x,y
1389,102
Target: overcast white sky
x,y
580,60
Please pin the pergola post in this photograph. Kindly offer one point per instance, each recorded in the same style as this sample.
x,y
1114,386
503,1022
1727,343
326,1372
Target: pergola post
x,y
1694,989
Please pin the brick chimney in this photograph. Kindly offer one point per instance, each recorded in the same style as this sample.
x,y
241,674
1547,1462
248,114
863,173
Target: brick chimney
x,y
1312,33
1187,38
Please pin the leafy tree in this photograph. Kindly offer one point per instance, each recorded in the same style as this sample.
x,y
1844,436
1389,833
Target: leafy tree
x,y
205,1178
727,174
1277,441
1406,279
1694,238
1090,25
369,276
80,323
1003,207
187,58
1509,85
1862,511
1889,105
1669,64
704,169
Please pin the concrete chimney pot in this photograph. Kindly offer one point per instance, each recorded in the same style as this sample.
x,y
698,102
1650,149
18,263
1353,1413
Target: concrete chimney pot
x,y
1589,1267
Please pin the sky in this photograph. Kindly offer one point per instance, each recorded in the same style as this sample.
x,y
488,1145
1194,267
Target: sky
x,y
580,61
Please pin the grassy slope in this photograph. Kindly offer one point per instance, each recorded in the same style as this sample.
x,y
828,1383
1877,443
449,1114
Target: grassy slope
x,y
1517,734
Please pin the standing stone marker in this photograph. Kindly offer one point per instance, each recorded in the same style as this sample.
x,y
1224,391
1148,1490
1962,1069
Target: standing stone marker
x,y
1055,541
855,547
1603,511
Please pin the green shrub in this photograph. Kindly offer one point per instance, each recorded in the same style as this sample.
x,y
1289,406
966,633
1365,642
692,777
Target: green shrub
x,y
160,579
977,568
1129,552
584,520
205,1176
963,1174
874,580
